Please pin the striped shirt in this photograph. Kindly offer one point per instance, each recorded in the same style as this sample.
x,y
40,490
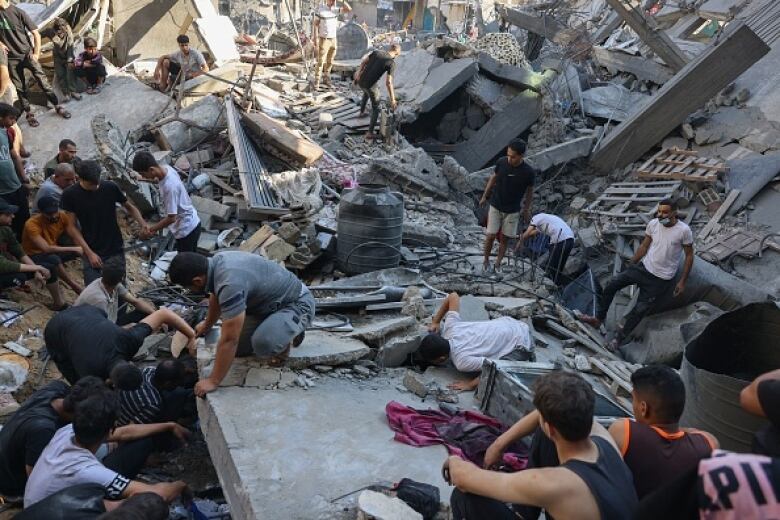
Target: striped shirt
x,y
140,406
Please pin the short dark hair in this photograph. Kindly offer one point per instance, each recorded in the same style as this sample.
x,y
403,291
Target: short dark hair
x,y
669,202
518,145
89,171
663,388
566,401
182,38
432,347
95,418
186,266
90,42
146,506
126,376
8,110
84,388
168,371
65,143
144,161
113,271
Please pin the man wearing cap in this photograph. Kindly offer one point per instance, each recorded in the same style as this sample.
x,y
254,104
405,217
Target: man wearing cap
x,y
42,236
16,267
63,176
323,33
264,308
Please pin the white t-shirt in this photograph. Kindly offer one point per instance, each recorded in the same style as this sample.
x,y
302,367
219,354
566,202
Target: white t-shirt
x,y
176,201
553,226
64,464
329,22
473,341
665,251
192,62
96,294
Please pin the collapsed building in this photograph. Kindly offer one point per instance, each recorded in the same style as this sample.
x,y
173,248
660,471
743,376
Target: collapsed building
x,y
623,104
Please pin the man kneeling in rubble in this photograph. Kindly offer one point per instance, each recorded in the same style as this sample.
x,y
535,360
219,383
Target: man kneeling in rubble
x,y
469,343
264,308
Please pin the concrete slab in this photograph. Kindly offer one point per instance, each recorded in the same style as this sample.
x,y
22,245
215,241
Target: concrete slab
x,y
208,112
325,348
376,332
443,81
410,72
286,454
473,309
561,153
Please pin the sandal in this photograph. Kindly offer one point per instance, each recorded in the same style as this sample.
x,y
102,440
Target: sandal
x,y
75,96
62,112
31,120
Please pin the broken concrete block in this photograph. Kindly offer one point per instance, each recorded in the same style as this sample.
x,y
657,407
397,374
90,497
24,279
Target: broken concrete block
x,y
276,249
207,113
208,241
448,130
473,309
379,506
325,120
395,352
582,363
263,377
588,237
561,153
211,207
612,101
326,348
289,232
376,332
578,203
443,81
418,384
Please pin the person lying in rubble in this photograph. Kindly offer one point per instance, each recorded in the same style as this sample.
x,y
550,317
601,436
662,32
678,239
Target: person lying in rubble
x,y
160,398
187,61
561,242
88,66
509,189
107,292
70,457
44,232
591,482
265,309
469,343
762,398
653,269
82,341
180,215
371,70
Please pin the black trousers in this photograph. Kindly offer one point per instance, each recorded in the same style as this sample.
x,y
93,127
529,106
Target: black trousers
x,y
16,69
91,74
19,198
371,93
650,289
559,255
91,273
189,244
50,262
128,458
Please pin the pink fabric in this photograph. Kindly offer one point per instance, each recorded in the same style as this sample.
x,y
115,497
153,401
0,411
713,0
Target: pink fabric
x,y
737,486
423,427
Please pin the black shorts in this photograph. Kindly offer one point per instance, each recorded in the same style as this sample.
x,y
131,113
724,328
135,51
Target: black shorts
x,y
130,340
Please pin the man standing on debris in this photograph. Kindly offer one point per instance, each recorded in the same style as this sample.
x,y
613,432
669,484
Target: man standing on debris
x,y
264,308
469,343
371,70
67,151
323,34
666,238
93,202
180,215
510,188
15,25
561,241
190,62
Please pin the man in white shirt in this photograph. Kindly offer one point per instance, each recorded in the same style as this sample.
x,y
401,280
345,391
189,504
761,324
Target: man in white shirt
x,y
180,214
561,241
666,238
469,343
323,34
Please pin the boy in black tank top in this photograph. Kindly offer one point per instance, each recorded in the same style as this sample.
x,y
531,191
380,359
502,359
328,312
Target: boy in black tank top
x,y
592,481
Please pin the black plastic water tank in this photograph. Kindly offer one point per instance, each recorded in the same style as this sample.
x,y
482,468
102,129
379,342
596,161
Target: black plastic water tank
x,y
370,226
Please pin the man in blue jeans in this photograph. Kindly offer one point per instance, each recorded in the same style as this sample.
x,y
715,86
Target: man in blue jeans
x,y
264,308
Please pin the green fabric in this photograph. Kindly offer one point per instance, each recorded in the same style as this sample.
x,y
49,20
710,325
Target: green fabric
x,y
9,181
9,248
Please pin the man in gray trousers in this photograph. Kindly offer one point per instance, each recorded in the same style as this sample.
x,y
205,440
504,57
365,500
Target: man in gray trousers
x,y
265,309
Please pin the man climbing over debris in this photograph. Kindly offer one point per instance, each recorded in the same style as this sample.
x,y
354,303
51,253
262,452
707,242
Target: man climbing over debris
x,y
180,215
652,268
323,34
368,75
591,481
561,241
264,308
469,343
510,188
190,62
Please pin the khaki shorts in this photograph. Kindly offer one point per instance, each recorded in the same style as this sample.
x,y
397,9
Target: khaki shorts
x,y
506,222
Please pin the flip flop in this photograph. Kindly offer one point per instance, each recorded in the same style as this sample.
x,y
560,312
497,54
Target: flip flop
x,y
31,120
62,112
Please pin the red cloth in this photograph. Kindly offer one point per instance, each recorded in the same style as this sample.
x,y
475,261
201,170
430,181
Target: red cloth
x,y
465,434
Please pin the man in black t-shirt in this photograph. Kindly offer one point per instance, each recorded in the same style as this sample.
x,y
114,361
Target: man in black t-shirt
x,y
93,202
762,398
510,188
371,70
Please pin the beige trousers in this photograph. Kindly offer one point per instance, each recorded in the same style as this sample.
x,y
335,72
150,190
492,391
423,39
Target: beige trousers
x,y
325,55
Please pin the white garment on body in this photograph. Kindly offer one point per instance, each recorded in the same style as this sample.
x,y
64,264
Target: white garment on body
x,y
553,226
176,201
471,342
329,22
666,249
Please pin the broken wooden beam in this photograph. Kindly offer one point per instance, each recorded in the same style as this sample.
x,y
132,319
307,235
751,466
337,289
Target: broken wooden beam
x,y
609,25
700,80
544,25
267,131
657,40
497,133
509,74
722,210
640,67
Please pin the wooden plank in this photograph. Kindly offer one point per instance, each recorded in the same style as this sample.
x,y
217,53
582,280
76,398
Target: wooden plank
x,y
223,185
700,80
263,128
707,229
585,341
254,242
609,372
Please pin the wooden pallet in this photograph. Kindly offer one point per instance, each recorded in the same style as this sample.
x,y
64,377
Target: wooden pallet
x,y
683,165
632,199
740,240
